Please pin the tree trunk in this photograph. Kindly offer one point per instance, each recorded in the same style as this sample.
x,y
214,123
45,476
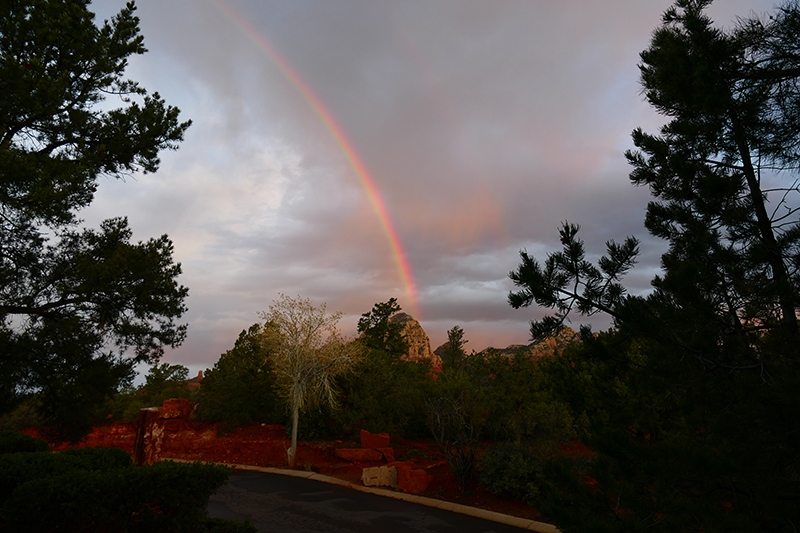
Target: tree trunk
x,y
292,451
779,273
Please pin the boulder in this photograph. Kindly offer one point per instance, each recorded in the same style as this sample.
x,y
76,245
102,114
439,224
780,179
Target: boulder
x,y
374,441
379,476
412,481
388,454
358,455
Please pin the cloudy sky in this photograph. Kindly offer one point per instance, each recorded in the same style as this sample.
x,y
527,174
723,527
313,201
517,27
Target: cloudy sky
x,y
351,151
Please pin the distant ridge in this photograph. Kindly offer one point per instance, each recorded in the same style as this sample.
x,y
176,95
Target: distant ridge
x,y
536,350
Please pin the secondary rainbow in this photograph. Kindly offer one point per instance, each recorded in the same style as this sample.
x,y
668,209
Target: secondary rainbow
x,y
325,116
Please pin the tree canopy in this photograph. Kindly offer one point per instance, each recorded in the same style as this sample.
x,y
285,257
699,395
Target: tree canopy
x,y
75,301
381,334
239,389
695,428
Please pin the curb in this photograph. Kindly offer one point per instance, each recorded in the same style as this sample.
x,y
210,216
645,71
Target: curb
x,y
523,523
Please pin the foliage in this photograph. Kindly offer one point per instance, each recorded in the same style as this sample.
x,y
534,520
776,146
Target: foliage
x,y
162,382
690,405
455,417
161,497
240,389
384,393
379,333
19,468
454,352
528,422
24,415
307,354
513,469
16,442
74,303
565,273
518,402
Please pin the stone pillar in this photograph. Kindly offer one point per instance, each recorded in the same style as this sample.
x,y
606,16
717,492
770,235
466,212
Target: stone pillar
x,y
149,434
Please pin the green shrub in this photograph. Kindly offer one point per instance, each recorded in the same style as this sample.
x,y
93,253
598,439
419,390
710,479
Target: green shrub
x,y
162,497
16,442
98,458
455,418
17,469
385,394
513,469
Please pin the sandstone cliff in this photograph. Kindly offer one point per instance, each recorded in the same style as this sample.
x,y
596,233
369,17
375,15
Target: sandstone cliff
x,y
419,345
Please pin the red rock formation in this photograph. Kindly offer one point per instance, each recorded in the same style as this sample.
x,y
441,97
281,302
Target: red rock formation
x,y
359,455
374,440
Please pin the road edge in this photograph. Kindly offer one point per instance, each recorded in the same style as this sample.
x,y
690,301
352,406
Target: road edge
x,y
523,523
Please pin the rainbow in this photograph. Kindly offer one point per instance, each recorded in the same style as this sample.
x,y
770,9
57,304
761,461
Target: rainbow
x,y
338,135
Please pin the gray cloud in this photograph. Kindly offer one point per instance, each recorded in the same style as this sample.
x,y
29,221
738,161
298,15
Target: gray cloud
x,y
483,125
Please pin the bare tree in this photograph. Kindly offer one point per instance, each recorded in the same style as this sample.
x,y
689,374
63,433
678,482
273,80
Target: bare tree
x,y
307,353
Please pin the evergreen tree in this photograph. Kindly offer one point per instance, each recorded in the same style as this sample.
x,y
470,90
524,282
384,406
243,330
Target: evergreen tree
x,y
74,302
240,389
380,333
698,429
454,351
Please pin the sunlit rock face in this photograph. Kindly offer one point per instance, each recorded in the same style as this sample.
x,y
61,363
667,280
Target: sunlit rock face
x,y
419,345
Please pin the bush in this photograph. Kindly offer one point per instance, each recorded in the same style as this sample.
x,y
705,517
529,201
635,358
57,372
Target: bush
x,y
513,469
455,419
16,442
17,469
162,497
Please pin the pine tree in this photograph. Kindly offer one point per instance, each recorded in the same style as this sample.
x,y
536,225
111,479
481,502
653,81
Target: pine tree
x,y
78,307
710,359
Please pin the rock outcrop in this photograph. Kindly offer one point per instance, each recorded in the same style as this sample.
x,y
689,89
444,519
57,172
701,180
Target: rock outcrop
x,y
419,345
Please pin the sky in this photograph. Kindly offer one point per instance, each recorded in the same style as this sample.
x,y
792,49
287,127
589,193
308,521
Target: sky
x,y
353,151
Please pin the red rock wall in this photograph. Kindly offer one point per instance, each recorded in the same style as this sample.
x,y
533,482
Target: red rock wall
x,y
165,436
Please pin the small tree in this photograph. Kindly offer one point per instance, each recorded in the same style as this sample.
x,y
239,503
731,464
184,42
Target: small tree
x,y
454,351
240,389
381,334
307,353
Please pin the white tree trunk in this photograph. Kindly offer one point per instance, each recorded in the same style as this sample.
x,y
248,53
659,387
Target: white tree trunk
x,y
292,451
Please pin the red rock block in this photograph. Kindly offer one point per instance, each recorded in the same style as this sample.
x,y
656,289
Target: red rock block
x,y
358,455
412,481
176,408
374,440
388,454
408,465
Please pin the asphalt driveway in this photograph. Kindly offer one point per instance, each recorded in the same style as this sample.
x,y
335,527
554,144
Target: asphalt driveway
x,y
285,503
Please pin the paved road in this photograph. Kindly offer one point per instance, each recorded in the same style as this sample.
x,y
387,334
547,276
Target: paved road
x,y
277,503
